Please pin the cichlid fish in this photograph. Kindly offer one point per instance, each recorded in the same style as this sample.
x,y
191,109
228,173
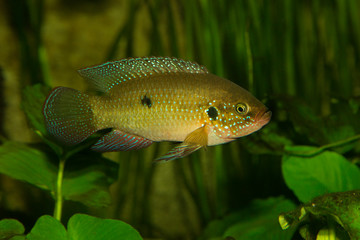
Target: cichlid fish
x,y
153,99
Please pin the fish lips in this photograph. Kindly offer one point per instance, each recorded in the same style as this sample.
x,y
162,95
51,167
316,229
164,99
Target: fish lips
x,y
263,118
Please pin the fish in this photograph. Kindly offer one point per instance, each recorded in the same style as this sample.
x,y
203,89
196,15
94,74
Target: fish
x,y
153,99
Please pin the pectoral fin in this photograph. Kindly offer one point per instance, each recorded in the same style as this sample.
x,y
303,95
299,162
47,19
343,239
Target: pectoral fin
x,y
194,141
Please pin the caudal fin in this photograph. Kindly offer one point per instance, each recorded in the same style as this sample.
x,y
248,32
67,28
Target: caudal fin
x,y
68,115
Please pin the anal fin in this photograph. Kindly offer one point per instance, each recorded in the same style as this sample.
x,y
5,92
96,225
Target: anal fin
x,y
194,141
117,140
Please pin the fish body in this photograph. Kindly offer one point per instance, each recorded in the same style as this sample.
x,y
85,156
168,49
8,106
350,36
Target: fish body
x,y
145,100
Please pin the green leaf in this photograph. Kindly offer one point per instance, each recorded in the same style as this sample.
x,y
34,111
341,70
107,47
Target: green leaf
x,y
87,179
88,185
344,206
85,227
10,228
339,211
326,172
257,221
28,164
33,100
47,227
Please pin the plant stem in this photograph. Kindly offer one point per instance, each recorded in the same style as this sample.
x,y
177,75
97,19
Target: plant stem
x,y
324,147
58,193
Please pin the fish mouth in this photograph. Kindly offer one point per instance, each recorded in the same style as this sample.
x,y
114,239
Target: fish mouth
x,y
262,118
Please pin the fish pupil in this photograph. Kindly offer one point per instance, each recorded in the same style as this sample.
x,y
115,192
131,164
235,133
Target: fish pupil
x,y
146,101
212,113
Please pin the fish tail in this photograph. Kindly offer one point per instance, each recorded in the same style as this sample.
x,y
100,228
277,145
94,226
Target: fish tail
x,y
68,115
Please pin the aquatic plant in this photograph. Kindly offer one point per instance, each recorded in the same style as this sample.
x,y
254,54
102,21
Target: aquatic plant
x,y
300,57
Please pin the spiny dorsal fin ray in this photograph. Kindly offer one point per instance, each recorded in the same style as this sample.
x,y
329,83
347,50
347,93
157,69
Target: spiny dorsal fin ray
x,y
105,76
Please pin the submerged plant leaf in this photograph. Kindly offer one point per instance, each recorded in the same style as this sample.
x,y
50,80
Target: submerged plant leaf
x,y
28,164
47,227
10,228
257,221
85,227
81,226
33,101
90,185
323,173
330,210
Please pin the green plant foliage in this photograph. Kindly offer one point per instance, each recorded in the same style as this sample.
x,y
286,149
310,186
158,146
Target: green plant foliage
x,y
28,164
256,221
300,57
10,228
47,227
338,211
84,227
323,173
88,185
80,227
33,101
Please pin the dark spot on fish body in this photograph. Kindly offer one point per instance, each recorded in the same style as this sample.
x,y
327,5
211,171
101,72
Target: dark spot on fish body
x,y
212,112
146,101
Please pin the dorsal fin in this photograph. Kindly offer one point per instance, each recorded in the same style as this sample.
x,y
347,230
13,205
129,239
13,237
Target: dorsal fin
x,y
103,77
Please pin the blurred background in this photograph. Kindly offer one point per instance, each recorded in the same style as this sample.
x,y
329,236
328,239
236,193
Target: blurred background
x,y
301,58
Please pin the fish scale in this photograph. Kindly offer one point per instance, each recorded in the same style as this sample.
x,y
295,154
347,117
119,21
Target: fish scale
x,y
154,99
125,110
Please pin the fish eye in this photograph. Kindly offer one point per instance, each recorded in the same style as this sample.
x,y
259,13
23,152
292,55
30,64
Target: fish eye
x,y
241,108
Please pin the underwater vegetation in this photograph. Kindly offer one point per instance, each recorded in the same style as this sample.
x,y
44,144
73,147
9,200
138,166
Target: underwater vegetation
x,y
297,178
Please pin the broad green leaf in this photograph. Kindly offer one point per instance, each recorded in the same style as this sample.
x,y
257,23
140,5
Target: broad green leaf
x,y
327,211
344,205
323,173
87,179
47,227
28,164
257,221
89,186
10,228
85,227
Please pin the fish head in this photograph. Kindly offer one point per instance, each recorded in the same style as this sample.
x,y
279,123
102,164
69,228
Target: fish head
x,y
237,116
